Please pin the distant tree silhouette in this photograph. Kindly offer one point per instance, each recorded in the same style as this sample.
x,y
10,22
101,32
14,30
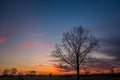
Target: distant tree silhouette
x,y
75,48
32,73
5,72
112,70
50,74
13,71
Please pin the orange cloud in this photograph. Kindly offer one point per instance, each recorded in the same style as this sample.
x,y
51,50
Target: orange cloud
x,y
40,65
2,40
43,65
29,45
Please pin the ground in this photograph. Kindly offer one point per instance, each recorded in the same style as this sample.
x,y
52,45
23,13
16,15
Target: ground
x,y
58,78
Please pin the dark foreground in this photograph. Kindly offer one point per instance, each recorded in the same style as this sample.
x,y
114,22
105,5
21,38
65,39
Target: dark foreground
x,y
67,77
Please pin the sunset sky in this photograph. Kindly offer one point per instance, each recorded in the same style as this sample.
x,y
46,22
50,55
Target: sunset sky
x,y
29,29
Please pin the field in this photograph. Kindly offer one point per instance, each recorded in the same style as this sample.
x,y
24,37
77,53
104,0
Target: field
x,y
58,78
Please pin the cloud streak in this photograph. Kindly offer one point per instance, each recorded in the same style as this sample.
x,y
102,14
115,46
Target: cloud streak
x,y
29,45
111,47
43,65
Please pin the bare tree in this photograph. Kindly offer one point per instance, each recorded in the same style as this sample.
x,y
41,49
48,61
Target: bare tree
x,y
32,73
5,72
75,48
13,71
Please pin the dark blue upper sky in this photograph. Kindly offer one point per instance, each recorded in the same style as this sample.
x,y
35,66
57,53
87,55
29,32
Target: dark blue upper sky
x,y
58,14
24,21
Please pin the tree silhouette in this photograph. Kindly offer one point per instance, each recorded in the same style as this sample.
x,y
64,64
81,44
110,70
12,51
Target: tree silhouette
x,y
13,71
32,73
50,74
5,72
75,48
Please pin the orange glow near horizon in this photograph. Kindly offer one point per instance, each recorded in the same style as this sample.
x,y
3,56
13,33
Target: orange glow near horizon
x,y
46,69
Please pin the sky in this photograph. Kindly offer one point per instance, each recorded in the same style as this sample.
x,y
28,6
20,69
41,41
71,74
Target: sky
x,y
29,29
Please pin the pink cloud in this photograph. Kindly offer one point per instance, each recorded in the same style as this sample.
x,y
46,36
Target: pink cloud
x,y
29,45
2,40
41,44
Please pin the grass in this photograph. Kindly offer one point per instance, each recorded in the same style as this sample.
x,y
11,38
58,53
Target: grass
x,y
58,78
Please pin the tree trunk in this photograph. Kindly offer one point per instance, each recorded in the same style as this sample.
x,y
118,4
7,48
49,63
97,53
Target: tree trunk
x,y
78,76
78,67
